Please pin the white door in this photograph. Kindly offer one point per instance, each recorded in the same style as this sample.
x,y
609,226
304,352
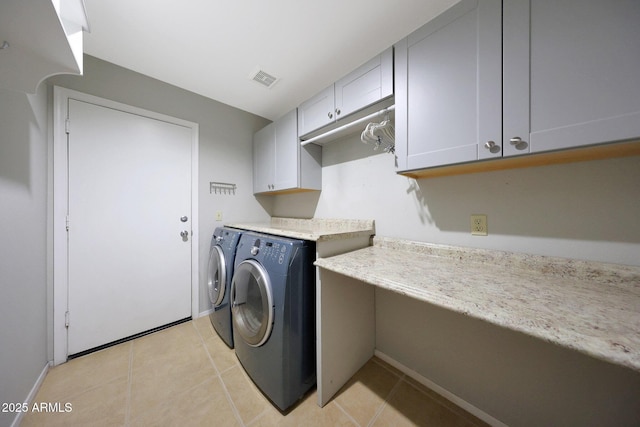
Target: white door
x,y
129,200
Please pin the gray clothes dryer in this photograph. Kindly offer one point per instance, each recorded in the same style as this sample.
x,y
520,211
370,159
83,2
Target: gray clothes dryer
x,y
273,312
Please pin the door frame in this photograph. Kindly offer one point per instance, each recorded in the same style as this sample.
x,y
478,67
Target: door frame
x,y
60,297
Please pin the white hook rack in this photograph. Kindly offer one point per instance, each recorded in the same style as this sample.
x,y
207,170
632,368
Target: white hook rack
x,y
222,188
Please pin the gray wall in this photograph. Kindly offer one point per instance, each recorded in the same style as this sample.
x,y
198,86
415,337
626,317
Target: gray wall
x,y
225,150
584,210
23,244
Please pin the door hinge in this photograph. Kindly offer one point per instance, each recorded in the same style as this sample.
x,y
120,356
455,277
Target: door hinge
x,y
67,126
66,223
66,319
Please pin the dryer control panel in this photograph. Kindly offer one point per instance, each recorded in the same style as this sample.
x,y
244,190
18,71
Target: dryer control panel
x,y
275,252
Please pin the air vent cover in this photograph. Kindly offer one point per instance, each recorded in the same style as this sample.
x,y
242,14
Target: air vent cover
x,y
263,78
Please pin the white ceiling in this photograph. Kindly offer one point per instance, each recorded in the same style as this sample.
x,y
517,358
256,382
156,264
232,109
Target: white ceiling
x,y
211,47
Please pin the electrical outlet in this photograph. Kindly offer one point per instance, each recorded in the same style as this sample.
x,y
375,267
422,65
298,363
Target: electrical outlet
x,y
218,215
479,225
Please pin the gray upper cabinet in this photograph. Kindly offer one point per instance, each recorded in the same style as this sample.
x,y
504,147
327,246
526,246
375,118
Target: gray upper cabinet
x,y
317,112
571,72
449,88
366,85
491,79
264,161
280,164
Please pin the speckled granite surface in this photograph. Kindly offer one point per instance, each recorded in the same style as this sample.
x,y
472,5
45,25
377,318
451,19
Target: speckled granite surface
x,y
314,229
590,307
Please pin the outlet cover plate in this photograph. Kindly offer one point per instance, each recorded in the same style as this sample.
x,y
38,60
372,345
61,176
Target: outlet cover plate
x,y
479,225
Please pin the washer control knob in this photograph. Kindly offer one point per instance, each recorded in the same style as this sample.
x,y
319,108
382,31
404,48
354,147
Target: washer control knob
x,y
255,250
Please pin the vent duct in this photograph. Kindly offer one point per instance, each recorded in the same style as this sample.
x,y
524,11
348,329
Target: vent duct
x,y
263,78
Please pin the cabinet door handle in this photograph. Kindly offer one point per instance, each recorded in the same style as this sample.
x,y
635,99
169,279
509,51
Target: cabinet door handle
x,y
518,143
330,114
337,111
492,147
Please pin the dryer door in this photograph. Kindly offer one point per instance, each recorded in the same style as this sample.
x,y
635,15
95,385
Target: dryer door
x,y
216,276
252,303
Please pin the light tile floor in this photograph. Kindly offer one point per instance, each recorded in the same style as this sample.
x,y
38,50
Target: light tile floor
x,y
186,376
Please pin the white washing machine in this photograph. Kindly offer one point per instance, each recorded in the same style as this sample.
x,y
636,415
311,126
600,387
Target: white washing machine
x,y
219,274
273,311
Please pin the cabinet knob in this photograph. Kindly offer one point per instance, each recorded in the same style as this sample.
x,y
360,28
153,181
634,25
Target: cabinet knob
x,y
337,111
492,147
330,114
518,143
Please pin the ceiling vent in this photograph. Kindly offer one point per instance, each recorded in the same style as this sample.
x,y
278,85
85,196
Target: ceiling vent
x,y
263,78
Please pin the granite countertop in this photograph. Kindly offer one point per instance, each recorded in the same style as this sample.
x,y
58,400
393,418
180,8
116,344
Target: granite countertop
x,y
314,229
587,306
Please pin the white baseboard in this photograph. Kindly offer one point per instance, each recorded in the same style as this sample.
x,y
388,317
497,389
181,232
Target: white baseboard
x,y
205,313
32,394
441,391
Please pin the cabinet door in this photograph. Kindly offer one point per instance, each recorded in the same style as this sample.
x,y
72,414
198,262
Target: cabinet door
x,y
287,152
579,84
449,88
317,111
368,84
264,159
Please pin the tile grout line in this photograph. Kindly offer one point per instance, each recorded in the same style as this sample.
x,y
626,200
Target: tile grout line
x,y
219,375
344,411
256,418
236,413
393,391
127,410
206,350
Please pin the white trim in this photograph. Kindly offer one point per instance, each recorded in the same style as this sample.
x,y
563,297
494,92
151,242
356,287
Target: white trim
x,y
473,410
204,313
195,220
61,98
32,394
